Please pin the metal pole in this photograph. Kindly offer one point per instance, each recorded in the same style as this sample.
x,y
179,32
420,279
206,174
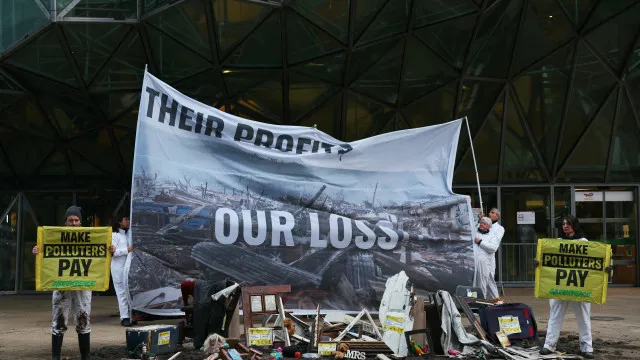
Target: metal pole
x,y
474,162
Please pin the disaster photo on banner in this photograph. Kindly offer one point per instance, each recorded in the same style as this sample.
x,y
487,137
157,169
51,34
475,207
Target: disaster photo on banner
x,y
73,258
216,197
572,270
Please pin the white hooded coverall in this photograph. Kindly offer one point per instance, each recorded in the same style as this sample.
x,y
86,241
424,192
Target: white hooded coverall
x,y
557,310
118,261
486,263
497,230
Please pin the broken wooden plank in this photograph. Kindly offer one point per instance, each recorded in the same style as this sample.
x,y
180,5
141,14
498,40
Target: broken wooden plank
x,y
472,317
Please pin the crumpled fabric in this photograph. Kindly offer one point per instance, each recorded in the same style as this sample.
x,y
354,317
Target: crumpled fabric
x,y
454,336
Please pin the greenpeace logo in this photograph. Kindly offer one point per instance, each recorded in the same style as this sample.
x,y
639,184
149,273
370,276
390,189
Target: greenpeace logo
x,y
588,196
575,293
70,283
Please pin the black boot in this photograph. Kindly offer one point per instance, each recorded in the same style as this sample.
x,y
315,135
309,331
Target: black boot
x,y
56,346
84,340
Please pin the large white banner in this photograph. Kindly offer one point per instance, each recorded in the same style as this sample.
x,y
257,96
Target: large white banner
x,y
215,197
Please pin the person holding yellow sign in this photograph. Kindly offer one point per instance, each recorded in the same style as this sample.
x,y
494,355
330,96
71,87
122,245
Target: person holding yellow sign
x,y
78,301
558,308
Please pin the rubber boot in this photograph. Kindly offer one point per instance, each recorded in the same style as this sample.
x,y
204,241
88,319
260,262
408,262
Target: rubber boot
x,y
56,346
84,340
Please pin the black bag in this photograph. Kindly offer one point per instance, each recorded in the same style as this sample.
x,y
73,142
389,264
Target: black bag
x,y
526,321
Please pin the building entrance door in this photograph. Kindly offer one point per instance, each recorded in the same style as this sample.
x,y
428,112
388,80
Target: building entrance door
x,y
8,244
609,215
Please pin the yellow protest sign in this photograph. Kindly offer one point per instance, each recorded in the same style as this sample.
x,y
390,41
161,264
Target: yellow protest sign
x,y
73,258
572,270
260,336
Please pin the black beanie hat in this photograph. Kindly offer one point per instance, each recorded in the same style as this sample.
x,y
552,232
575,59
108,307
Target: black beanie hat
x,y
73,210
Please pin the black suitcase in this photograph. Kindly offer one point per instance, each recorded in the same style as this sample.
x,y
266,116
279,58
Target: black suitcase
x,y
518,321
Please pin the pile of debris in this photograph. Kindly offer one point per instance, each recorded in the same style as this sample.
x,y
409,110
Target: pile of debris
x,y
408,326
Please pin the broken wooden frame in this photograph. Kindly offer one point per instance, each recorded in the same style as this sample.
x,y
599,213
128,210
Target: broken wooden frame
x,y
257,300
427,354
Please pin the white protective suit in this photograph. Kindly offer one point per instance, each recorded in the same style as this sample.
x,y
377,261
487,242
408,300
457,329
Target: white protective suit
x,y
118,261
486,263
498,230
78,301
557,310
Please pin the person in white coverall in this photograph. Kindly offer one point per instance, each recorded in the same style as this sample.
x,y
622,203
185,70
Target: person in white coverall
x,y
496,228
78,301
558,308
488,243
120,249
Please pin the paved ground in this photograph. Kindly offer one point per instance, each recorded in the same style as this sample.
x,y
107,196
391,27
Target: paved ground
x,y
25,325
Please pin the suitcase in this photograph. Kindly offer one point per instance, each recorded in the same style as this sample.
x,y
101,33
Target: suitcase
x,y
517,320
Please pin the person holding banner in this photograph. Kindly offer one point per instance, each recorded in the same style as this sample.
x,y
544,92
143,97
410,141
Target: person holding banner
x,y
120,248
78,301
558,308
488,243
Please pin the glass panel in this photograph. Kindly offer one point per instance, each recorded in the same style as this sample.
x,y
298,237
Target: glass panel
x,y
306,93
476,102
127,145
489,197
364,117
126,68
234,20
498,30
44,56
430,11
8,243
589,159
49,209
26,117
420,79
590,213
366,11
520,164
205,87
590,88
328,68
614,39
440,104
381,80
330,15
606,9
562,208
55,164
97,147
18,20
578,10
519,241
545,26
620,210
364,57
264,98
541,90
262,47
118,9
305,40
25,153
324,117
173,61
625,157
449,39
188,24
485,148
92,44
632,77
114,104
81,166
151,5
72,115
390,21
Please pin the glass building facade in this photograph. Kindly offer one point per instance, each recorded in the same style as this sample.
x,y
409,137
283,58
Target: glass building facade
x,y
551,90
